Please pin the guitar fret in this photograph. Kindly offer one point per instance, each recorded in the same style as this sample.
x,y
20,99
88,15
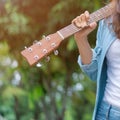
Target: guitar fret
x,y
42,48
94,17
67,31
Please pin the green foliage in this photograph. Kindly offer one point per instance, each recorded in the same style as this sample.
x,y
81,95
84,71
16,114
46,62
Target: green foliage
x,y
14,22
71,46
4,48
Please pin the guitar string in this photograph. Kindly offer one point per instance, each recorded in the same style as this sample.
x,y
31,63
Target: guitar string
x,y
95,16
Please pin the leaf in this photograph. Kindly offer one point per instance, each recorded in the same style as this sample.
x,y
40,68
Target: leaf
x,y
9,92
71,44
37,93
4,49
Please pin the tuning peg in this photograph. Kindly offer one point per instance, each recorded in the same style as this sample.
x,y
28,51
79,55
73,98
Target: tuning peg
x,y
45,51
30,49
35,41
43,36
56,52
39,65
39,43
25,47
53,45
47,58
47,38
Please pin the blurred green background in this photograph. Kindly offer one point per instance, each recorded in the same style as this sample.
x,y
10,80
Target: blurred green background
x,y
56,91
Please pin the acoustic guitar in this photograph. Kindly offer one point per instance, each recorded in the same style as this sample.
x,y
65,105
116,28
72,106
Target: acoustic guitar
x,y
44,47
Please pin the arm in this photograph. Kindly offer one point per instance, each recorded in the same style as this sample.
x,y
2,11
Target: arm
x,y
87,59
81,37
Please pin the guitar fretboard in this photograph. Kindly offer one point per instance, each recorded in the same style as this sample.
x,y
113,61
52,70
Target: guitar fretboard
x,y
94,17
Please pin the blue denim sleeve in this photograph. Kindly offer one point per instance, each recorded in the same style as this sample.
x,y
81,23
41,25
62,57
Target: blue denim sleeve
x,y
92,68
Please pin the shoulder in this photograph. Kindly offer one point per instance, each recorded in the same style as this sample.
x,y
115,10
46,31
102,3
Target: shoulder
x,y
104,31
105,25
106,21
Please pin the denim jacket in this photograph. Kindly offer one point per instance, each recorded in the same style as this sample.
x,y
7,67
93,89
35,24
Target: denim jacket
x,y
97,69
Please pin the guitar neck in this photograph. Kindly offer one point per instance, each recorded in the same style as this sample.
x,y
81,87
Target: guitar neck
x,y
71,29
41,49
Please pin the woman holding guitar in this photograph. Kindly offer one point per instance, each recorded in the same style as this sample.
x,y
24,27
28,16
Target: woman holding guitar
x,y
102,64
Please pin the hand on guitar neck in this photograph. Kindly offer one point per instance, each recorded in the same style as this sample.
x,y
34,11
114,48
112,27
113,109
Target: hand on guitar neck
x,y
82,22
81,36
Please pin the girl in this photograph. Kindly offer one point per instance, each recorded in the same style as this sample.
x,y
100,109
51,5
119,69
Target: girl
x,y
102,64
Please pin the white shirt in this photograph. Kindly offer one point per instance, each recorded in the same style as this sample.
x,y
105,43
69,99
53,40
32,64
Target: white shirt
x,y
112,90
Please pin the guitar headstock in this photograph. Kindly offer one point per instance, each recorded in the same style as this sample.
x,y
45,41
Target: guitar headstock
x,y
42,48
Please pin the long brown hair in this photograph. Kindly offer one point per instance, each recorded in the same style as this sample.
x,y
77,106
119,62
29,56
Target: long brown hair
x,y
116,18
